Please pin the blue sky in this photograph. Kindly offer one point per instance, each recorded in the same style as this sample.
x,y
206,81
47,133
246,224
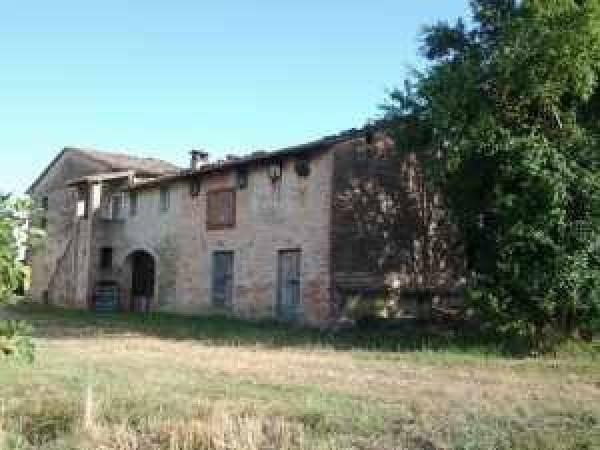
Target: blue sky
x,y
159,78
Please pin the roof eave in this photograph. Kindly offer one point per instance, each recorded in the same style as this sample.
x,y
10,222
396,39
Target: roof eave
x,y
98,178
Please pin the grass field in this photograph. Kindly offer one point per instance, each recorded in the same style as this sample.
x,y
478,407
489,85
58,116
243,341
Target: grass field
x,y
129,382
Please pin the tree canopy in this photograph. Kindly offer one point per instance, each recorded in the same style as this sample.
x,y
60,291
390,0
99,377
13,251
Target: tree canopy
x,y
506,120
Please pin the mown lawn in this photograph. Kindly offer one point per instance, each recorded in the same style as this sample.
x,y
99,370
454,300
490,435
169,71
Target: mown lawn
x,y
163,382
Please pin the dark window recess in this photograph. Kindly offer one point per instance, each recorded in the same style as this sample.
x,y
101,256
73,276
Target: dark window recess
x,y
242,178
43,220
133,203
106,257
274,170
195,186
165,199
46,298
302,167
222,283
116,203
28,255
220,209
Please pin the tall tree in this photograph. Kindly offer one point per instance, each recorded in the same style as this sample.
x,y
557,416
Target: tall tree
x,y
14,340
509,106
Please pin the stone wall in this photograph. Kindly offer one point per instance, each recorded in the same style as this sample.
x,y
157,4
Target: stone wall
x,y
60,267
293,213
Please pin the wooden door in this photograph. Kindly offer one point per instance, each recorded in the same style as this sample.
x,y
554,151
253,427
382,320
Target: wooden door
x,y
222,289
288,285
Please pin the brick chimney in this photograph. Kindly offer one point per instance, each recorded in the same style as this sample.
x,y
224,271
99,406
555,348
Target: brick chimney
x,y
199,158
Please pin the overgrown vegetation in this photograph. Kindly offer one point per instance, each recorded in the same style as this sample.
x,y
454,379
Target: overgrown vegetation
x,y
164,382
14,342
507,120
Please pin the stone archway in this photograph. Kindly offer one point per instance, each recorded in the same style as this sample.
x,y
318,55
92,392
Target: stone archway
x,y
140,281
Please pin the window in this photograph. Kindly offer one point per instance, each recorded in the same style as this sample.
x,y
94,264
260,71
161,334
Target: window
x,y
116,204
274,170
222,283
242,178
133,203
106,257
43,218
165,199
82,203
302,167
195,186
220,209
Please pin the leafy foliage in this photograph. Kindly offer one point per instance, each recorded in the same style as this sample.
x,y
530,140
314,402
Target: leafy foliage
x,y
11,271
14,340
510,108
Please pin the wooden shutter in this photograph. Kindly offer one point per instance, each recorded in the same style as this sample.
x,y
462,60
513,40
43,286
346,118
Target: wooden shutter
x,y
220,209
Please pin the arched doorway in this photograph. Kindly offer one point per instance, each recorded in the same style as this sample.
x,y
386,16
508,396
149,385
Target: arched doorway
x,y
143,275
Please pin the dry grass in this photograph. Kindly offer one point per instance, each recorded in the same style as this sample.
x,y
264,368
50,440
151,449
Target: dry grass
x,y
96,385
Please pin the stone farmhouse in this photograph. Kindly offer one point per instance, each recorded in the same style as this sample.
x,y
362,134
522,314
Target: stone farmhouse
x,y
259,236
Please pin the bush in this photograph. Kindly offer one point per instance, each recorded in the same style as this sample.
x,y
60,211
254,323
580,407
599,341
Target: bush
x,y
15,340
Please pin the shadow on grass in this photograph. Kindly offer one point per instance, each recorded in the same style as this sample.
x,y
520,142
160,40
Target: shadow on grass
x,y
54,323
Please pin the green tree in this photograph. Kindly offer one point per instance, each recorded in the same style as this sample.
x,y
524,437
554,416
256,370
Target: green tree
x,y
14,340
507,115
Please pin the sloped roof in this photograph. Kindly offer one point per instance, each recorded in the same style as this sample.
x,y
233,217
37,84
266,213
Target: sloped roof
x,y
122,161
114,162
257,157
166,172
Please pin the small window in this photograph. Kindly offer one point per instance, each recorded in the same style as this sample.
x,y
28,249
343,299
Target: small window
x,y
274,170
133,203
43,219
82,203
106,258
220,209
116,206
195,186
28,255
302,167
165,199
242,178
